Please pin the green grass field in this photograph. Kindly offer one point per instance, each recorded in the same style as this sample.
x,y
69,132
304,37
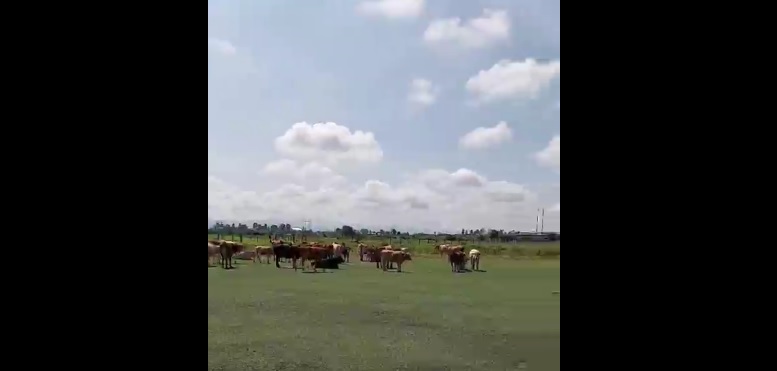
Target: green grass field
x,y
360,318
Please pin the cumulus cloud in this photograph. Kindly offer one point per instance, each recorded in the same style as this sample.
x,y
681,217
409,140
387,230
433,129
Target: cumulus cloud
x,y
221,46
391,9
328,143
491,27
551,155
433,199
303,173
513,80
483,137
303,186
423,92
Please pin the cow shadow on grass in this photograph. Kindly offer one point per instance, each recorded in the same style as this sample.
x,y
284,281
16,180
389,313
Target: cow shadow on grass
x,y
467,270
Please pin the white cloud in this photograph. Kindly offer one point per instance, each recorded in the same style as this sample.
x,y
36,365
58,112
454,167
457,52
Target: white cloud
x,y
307,173
513,80
551,155
305,188
491,27
221,46
392,9
428,200
328,143
423,92
483,137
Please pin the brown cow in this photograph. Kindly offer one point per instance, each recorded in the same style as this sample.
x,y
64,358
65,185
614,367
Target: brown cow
x,y
373,255
313,254
399,257
457,260
263,251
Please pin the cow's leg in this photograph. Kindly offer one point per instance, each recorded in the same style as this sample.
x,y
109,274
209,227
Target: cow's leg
x,y
277,260
399,267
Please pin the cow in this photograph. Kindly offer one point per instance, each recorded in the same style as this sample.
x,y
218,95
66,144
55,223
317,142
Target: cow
x,y
286,251
373,255
328,263
385,258
227,249
337,249
314,254
263,251
346,253
474,259
362,250
213,252
399,257
441,249
457,260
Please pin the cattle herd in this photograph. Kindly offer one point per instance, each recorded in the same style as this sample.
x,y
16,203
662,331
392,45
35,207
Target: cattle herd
x,y
329,256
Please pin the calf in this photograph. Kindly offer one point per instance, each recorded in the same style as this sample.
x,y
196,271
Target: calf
x,y
328,263
474,259
457,260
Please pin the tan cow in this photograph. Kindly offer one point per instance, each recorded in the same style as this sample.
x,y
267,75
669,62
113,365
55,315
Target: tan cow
x,y
385,258
474,259
213,252
227,249
263,251
400,257
441,249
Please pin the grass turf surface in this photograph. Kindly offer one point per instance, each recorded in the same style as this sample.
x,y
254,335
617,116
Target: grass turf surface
x,y
360,318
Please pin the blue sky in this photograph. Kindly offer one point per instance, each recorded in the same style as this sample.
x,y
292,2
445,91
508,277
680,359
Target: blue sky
x,y
272,64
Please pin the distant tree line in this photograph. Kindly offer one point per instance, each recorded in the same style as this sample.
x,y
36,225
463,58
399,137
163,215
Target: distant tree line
x,y
346,231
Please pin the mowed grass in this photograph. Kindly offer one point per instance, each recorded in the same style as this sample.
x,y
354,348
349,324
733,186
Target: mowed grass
x,y
360,318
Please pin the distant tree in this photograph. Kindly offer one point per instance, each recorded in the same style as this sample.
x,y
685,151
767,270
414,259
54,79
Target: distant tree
x,y
348,231
273,229
493,234
364,231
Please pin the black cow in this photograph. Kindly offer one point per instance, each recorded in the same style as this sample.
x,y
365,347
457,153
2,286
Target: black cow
x,y
286,251
329,263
